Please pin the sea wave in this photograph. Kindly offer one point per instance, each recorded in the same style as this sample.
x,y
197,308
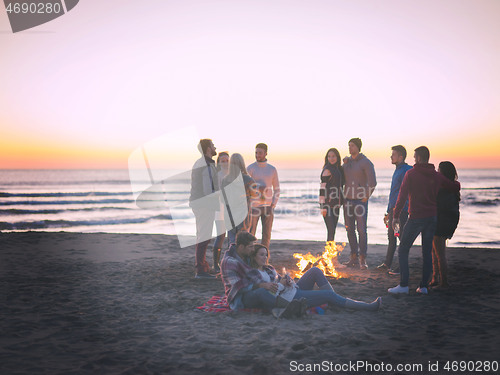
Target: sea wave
x,y
484,202
69,182
62,202
58,195
478,243
15,211
44,224
481,188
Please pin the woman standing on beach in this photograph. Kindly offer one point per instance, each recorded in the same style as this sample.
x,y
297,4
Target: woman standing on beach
x,y
448,215
237,167
330,192
223,170
274,286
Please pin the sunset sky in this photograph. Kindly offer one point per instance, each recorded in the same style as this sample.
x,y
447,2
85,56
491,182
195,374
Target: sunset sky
x,y
87,89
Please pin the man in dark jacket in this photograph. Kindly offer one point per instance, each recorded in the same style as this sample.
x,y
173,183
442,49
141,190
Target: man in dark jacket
x,y
421,186
204,201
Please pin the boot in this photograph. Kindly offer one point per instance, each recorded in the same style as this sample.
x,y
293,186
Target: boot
x,y
358,305
281,302
294,309
353,262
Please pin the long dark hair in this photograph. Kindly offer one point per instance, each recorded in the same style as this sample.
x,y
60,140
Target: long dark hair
x,y
256,249
448,170
337,154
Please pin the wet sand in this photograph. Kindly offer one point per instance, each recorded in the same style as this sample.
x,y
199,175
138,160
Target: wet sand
x,y
75,303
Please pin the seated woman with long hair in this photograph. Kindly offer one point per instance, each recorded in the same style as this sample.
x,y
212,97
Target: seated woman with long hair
x,y
267,281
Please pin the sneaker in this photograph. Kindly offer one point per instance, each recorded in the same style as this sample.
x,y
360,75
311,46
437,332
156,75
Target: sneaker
x,y
362,264
383,267
204,275
399,290
394,272
422,290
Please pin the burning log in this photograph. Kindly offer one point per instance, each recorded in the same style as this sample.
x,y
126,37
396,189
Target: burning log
x,y
325,261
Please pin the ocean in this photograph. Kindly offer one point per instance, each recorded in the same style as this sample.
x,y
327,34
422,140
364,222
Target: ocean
x,y
103,201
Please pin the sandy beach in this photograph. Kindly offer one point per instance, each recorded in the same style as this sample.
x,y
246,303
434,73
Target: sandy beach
x,y
76,303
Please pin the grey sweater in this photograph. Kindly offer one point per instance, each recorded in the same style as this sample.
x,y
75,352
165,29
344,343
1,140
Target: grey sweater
x,y
360,179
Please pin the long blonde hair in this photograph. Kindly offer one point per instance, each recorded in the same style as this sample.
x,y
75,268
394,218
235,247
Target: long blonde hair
x,y
236,166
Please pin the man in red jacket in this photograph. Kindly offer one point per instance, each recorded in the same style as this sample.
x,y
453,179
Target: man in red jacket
x,y
420,185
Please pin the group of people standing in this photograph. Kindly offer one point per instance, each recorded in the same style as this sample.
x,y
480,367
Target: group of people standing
x,y
421,201
261,194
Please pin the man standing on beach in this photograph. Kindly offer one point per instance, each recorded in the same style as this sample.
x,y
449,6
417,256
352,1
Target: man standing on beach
x,y
420,185
263,205
204,201
398,157
360,181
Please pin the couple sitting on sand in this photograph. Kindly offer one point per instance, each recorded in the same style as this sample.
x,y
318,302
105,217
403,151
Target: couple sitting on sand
x,y
250,282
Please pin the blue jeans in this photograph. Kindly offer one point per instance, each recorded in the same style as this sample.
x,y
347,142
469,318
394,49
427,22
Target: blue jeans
x,y
355,217
259,299
266,215
391,247
331,219
313,276
317,297
231,234
413,227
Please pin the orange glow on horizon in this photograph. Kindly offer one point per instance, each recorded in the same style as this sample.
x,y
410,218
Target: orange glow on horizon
x,y
31,152
37,156
67,157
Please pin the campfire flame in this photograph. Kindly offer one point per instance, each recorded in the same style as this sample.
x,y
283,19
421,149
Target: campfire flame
x,y
327,261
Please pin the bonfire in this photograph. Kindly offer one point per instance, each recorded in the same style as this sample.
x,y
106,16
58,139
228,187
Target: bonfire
x,y
327,261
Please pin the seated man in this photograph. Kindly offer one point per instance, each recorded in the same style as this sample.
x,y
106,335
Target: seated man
x,y
241,292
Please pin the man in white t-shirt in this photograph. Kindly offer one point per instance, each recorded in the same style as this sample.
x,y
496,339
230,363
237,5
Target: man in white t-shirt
x,y
262,206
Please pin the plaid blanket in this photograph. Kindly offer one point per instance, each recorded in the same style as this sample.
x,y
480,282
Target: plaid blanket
x,y
219,304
